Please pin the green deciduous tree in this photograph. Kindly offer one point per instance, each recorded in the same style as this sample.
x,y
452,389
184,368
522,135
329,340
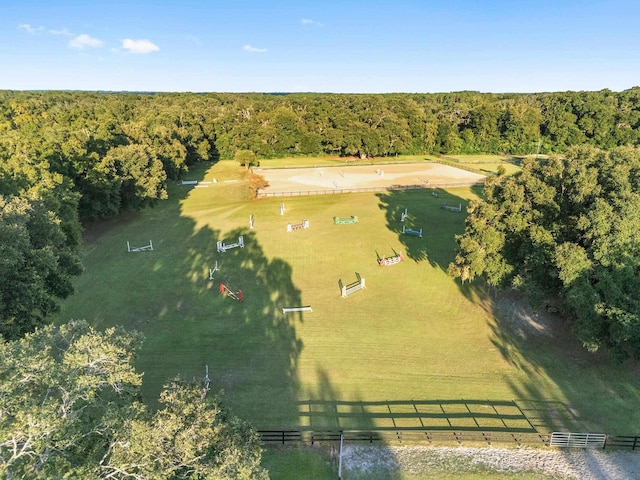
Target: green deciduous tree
x,y
64,391
245,158
37,263
568,228
137,175
185,438
70,408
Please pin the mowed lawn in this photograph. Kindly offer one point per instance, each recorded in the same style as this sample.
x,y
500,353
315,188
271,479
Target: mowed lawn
x,y
413,334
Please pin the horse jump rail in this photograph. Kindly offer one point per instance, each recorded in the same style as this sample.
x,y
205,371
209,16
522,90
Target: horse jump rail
x,y
306,308
350,288
451,208
223,247
345,221
227,292
213,270
386,261
144,248
299,226
415,233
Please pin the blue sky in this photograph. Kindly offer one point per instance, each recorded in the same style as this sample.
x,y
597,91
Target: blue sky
x,y
321,46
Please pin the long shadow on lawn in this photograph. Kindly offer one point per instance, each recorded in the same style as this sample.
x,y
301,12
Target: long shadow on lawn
x,y
250,348
325,411
425,215
466,415
562,386
558,384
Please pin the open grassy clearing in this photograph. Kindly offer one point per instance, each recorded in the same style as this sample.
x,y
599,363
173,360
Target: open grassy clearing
x,y
413,334
479,159
486,163
334,161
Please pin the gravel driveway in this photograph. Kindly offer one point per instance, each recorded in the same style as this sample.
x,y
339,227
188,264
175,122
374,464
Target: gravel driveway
x,y
380,461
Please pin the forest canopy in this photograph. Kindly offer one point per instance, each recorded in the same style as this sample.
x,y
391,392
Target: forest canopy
x,y
566,227
72,157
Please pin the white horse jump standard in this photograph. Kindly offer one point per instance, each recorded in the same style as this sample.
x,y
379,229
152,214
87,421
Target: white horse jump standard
x,y
140,249
223,247
251,222
213,270
347,290
403,216
297,309
416,233
299,226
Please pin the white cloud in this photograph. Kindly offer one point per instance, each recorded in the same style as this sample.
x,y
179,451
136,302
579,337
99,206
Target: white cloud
x,y
64,32
29,29
249,48
85,41
139,46
307,21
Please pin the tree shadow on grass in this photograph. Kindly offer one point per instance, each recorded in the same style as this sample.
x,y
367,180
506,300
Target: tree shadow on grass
x,y
431,227
251,348
325,409
562,386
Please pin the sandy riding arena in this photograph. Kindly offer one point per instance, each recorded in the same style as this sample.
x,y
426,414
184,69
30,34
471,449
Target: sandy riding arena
x,y
319,180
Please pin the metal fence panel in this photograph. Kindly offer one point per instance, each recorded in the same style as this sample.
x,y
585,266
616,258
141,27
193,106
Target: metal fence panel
x,y
579,440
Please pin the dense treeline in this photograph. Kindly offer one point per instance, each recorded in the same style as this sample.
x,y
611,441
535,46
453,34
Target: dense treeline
x,y
117,150
66,157
565,228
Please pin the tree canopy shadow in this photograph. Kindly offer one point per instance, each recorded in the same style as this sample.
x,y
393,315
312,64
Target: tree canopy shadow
x,y
433,219
171,295
563,386
556,381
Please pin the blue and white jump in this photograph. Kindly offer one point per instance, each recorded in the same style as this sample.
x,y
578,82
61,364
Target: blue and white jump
x,y
415,233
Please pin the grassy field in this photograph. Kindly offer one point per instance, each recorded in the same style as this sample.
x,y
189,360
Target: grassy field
x,y
331,160
486,163
367,361
320,464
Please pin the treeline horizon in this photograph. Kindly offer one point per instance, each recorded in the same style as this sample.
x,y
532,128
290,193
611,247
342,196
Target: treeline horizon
x,y
117,148
68,157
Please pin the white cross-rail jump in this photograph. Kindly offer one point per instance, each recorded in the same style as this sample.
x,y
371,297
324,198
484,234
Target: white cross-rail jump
x,y
144,248
223,247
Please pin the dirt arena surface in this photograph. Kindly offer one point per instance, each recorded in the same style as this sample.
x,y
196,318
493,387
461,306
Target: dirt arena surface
x,y
364,176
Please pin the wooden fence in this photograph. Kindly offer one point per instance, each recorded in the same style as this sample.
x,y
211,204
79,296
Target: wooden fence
x,y
622,441
311,437
338,191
